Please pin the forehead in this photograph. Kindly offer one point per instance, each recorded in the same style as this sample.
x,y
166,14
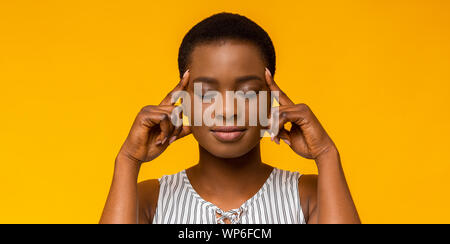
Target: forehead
x,y
227,59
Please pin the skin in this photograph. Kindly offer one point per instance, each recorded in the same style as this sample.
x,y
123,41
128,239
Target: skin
x,y
228,174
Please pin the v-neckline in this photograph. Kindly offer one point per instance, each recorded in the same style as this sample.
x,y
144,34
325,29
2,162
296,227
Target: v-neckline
x,y
245,204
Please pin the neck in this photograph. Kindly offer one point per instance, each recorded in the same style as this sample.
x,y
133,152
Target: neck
x,y
247,161
222,173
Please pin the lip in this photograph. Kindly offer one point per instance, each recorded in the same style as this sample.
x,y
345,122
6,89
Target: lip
x,y
228,133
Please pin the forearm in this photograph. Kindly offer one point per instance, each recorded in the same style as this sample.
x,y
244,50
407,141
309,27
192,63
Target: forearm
x,y
335,204
121,205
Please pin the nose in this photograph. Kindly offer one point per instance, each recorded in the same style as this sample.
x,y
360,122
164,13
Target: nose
x,y
230,111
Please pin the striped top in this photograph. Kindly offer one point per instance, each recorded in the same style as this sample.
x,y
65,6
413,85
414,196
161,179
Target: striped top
x,y
276,202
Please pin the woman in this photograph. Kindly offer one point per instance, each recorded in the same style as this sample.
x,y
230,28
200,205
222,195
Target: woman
x,y
230,183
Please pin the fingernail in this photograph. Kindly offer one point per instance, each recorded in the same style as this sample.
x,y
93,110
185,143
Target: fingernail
x,y
164,140
271,136
172,139
269,71
286,141
185,73
158,142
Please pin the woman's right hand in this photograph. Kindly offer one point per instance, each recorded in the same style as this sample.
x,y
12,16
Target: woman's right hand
x,y
152,130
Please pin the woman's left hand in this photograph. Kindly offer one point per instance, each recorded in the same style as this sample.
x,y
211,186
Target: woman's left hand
x,y
306,137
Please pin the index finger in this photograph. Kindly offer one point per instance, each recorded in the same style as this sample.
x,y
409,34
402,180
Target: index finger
x,y
180,86
283,98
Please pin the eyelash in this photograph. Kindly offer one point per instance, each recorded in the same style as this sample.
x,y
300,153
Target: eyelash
x,y
203,96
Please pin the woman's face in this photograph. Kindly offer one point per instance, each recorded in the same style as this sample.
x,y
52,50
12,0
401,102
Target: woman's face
x,y
227,66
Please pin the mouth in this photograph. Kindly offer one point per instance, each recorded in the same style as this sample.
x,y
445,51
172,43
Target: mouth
x,y
228,133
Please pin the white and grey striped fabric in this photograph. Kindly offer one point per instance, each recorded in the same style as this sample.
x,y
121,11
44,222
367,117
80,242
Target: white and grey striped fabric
x,y
277,202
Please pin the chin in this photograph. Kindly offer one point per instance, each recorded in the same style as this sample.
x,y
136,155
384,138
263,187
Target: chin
x,y
228,151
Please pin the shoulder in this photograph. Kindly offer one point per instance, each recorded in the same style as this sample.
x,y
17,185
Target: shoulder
x,y
148,192
307,187
308,184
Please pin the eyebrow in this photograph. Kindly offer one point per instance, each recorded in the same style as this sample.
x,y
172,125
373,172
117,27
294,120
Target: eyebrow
x,y
206,80
246,78
242,79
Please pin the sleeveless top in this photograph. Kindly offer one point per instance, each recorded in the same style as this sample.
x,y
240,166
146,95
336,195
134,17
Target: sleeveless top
x,y
276,202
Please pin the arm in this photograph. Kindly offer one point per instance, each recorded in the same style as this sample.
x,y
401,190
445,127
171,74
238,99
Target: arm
x,y
150,134
334,201
329,199
121,204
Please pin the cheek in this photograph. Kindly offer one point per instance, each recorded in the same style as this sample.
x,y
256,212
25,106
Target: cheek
x,y
200,133
253,112
199,113
196,112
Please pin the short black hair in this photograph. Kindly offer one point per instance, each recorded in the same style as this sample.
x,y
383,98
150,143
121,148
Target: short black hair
x,y
224,26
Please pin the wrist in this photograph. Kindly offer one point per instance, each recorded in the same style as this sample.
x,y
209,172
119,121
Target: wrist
x,y
126,157
126,164
328,157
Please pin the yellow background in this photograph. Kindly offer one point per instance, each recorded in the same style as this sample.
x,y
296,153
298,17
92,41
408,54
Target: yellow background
x,y
74,74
